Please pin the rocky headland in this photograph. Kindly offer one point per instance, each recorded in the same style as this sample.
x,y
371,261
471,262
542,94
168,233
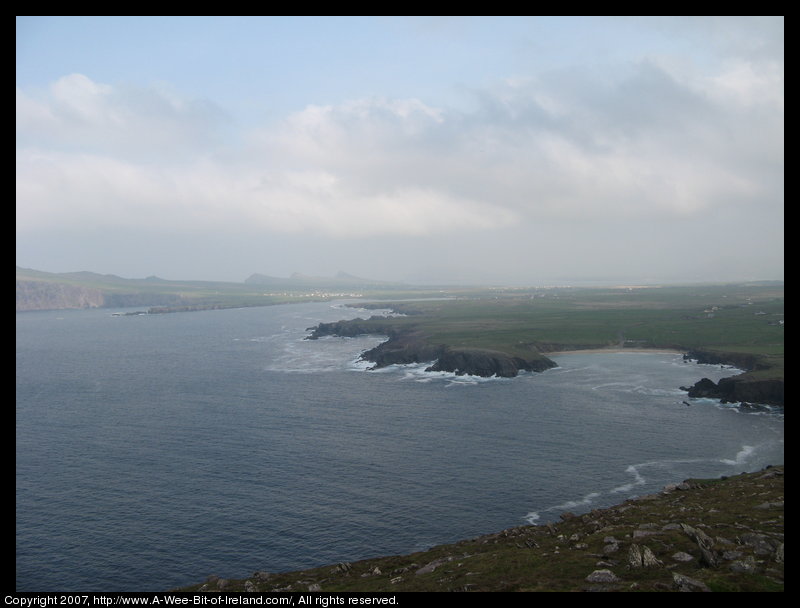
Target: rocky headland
x,y
406,344
743,388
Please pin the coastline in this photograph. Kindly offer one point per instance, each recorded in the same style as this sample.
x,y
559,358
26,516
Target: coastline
x,y
654,542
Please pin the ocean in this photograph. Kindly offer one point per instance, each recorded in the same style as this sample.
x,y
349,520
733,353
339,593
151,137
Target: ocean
x,y
154,450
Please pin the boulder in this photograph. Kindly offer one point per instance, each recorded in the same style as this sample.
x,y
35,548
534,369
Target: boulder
x,y
602,576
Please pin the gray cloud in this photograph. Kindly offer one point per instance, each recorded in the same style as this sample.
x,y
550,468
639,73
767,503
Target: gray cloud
x,y
615,165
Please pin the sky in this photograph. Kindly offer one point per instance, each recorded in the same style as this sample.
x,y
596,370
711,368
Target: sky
x,y
499,150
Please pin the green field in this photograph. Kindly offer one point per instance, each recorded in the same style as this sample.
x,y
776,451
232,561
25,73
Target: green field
x,y
745,319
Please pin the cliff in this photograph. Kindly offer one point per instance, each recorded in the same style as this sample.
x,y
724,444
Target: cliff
x,y
744,388
740,389
41,295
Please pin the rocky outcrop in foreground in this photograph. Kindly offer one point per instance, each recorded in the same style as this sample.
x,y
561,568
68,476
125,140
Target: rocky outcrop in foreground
x,y
699,535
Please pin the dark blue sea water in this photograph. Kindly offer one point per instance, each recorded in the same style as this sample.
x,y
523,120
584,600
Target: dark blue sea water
x,y
152,451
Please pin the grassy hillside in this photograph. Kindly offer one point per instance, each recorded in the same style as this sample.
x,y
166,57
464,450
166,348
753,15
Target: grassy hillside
x,y
701,535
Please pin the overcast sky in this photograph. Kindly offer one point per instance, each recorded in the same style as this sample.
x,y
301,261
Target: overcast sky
x,y
524,150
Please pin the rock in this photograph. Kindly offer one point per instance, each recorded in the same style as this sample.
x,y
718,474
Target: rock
x,y
431,566
682,556
708,558
341,567
744,566
703,540
642,557
685,583
704,388
602,576
644,533
249,586
761,544
649,560
314,587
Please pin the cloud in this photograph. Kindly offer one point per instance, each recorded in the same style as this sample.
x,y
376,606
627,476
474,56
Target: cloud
x,y
645,140
138,123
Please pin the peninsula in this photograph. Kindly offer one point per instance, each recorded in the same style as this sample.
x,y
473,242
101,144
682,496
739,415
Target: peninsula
x,y
508,331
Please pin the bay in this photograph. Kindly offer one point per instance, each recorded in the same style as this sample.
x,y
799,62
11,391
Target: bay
x,y
154,450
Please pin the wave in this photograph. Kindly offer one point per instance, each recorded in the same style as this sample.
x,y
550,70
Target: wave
x,y
663,472
417,372
587,500
741,456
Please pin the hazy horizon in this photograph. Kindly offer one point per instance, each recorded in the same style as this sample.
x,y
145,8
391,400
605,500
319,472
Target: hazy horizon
x,y
491,150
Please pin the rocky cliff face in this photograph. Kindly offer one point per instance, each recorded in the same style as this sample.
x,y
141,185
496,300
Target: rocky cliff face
x,y
737,389
42,295
740,389
49,295
487,363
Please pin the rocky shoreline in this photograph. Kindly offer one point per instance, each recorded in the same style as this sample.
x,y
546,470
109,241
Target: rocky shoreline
x,y
406,345
723,534
743,388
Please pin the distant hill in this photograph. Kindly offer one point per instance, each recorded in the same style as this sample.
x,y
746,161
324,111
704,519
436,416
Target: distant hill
x,y
38,290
